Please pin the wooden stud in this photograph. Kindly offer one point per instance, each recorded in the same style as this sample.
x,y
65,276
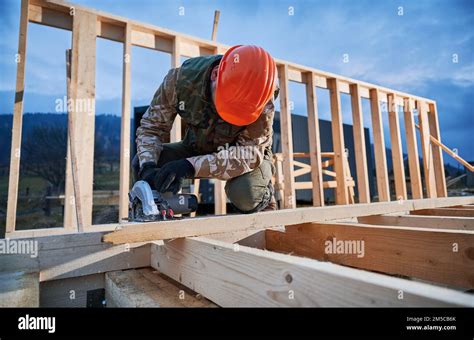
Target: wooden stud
x,y
359,145
428,167
257,278
289,199
314,142
338,142
220,199
17,121
379,148
412,150
83,117
426,254
397,151
175,134
125,126
438,163
215,24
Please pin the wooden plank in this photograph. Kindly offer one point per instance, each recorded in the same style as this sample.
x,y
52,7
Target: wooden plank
x,y
82,114
445,212
314,142
289,199
17,121
74,255
437,255
147,288
19,289
124,186
379,148
442,222
428,167
175,134
363,189
412,150
438,163
257,278
139,232
220,199
397,151
214,26
338,142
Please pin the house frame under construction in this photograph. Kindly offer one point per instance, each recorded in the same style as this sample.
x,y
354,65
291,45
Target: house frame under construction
x,y
417,250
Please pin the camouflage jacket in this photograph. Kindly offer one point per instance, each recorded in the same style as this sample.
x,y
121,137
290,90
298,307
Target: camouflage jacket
x,y
223,151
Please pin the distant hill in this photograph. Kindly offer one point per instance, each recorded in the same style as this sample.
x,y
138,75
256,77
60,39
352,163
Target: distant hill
x,y
107,131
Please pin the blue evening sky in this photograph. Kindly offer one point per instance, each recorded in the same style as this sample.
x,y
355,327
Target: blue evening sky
x,y
414,52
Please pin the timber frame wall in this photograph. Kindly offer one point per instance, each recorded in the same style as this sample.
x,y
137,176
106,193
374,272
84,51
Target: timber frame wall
x,y
86,25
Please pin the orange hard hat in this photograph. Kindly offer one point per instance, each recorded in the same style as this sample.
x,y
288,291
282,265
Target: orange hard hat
x,y
245,83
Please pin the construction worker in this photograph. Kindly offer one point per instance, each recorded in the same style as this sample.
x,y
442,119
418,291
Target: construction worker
x,y
227,104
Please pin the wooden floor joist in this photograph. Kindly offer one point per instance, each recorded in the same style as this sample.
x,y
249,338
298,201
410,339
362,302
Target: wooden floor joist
x,y
438,255
445,212
150,231
419,221
241,276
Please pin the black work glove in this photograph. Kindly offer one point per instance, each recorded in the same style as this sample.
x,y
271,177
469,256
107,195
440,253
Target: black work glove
x,y
148,172
170,176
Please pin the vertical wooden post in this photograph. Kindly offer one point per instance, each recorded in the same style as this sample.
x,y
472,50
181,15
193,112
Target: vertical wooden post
x,y
314,141
220,198
17,121
359,145
338,142
175,134
289,201
397,151
82,114
412,150
125,128
379,148
215,24
441,189
428,167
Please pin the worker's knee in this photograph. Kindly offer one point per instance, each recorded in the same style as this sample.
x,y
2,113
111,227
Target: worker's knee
x,y
248,191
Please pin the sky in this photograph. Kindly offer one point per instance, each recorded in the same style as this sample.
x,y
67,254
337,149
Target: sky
x,y
423,47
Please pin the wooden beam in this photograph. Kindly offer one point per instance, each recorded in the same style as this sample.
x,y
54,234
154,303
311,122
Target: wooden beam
x,y
412,150
338,142
289,199
379,148
82,114
428,167
73,255
442,222
257,278
438,163
125,125
314,142
437,255
138,232
17,121
147,288
215,24
445,212
363,189
397,151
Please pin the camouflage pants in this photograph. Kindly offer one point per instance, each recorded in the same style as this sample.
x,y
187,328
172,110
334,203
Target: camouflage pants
x,y
248,193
